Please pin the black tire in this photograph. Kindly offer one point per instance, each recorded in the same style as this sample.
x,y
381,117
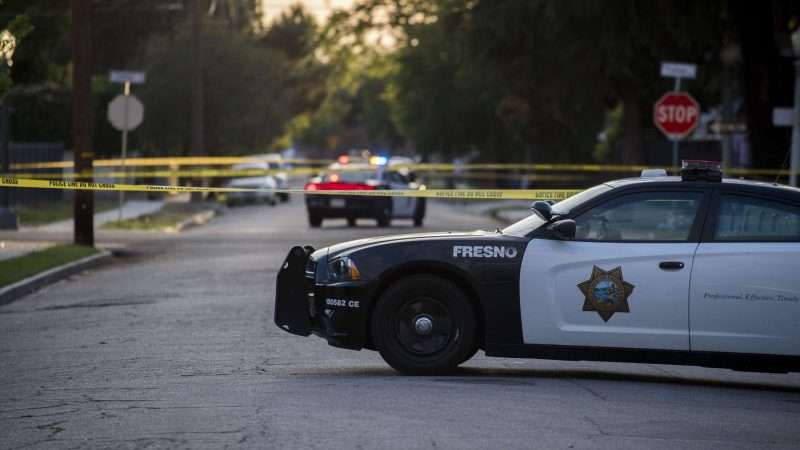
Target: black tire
x,y
384,217
419,212
314,220
283,197
412,351
351,221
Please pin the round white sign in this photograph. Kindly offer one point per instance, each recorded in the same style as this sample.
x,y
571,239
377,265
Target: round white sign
x,y
121,119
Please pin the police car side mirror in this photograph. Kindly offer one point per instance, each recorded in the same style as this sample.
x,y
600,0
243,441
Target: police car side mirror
x,y
542,209
563,229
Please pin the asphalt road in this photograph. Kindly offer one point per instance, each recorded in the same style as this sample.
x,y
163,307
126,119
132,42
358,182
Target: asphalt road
x,y
173,345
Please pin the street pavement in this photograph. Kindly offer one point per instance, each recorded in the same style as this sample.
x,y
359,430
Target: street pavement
x,y
172,345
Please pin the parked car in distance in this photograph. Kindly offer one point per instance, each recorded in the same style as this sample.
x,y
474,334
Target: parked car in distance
x,y
266,184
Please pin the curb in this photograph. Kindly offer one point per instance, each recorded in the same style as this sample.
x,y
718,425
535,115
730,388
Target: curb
x,y
24,287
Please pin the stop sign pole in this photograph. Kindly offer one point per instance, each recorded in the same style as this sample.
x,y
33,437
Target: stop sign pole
x,y
677,71
125,122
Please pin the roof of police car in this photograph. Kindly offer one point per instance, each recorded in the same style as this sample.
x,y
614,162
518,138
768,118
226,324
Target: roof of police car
x,y
733,181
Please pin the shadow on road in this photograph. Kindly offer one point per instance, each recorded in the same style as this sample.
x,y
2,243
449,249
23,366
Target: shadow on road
x,y
527,376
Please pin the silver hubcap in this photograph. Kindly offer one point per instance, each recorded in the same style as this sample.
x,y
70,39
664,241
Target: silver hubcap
x,y
423,325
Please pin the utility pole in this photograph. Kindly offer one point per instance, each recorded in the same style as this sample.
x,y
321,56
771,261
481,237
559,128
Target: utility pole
x,y
197,87
8,220
81,117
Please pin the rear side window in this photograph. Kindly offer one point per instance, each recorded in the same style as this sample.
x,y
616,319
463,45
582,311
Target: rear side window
x,y
651,216
743,218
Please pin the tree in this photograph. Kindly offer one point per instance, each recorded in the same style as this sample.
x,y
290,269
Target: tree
x,y
36,33
246,105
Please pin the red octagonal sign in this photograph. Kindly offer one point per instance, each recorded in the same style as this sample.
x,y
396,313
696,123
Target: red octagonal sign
x,y
676,114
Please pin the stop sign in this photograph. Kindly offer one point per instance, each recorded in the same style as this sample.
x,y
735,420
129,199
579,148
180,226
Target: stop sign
x,y
676,114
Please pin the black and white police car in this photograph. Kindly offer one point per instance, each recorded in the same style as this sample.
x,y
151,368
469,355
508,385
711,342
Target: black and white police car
x,y
672,270
363,177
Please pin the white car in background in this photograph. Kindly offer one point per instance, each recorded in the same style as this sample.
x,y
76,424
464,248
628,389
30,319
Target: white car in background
x,y
280,172
266,183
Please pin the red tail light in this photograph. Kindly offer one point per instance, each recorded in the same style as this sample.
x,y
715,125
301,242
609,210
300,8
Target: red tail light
x,y
339,187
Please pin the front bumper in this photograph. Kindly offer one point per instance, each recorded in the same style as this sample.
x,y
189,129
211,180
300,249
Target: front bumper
x,y
336,312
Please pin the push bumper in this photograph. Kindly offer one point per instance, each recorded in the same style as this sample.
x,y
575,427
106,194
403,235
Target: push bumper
x,y
336,312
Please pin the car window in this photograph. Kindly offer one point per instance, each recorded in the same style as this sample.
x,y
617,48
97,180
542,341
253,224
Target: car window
x,y
394,177
348,177
565,206
744,218
649,216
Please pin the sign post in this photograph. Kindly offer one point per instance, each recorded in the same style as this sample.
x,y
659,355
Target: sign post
x,y
125,112
678,71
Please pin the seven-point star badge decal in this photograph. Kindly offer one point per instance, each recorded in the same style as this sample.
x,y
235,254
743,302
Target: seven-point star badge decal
x,y
606,292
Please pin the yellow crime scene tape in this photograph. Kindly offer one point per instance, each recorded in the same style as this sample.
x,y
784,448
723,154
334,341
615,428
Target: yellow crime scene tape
x,y
474,194
169,161
231,173
174,162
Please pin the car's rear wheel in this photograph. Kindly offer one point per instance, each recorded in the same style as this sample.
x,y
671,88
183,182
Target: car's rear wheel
x,y
384,217
424,325
419,212
351,221
314,220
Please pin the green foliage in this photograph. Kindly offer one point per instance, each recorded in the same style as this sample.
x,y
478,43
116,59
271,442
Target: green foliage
x,y
13,28
526,80
21,267
41,113
244,93
43,40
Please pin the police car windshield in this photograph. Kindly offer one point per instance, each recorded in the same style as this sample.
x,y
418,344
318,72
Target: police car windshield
x,y
348,177
532,222
565,206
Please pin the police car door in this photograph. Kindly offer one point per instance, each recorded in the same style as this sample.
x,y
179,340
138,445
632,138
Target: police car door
x,y
623,282
745,295
401,206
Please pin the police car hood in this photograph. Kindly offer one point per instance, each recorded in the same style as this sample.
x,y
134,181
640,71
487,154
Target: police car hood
x,y
416,238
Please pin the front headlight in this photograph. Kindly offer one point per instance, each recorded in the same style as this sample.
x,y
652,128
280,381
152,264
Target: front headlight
x,y
343,269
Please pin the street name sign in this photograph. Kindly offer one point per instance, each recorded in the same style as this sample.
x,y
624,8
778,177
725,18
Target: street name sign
x,y
718,127
127,76
678,70
122,120
676,114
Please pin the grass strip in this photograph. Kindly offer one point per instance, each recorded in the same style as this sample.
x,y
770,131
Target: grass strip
x,y
21,267
166,219
54,212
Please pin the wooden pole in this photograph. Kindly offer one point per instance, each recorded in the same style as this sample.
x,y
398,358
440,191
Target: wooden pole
x,y
82,117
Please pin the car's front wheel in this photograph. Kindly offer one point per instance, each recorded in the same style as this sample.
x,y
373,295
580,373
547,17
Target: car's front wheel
x,y
314,220
424,325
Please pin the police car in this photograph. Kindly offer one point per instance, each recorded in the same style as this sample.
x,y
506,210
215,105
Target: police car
x,y
689,270
361,177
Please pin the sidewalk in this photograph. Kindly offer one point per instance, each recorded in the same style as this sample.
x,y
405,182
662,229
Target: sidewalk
x,y
130,210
